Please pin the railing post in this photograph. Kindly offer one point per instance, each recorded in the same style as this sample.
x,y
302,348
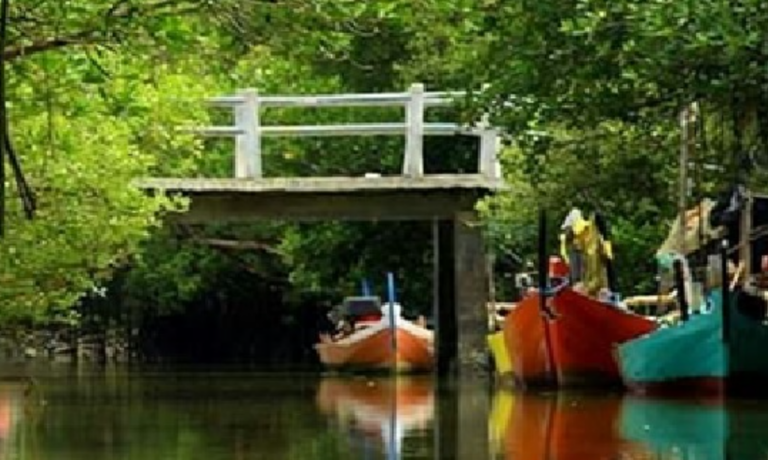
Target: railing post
x,y
248,144
413,162
488,161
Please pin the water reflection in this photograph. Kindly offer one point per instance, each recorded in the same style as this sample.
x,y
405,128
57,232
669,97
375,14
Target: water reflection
x,y
703,430
378,415
243,416
11,406
567,426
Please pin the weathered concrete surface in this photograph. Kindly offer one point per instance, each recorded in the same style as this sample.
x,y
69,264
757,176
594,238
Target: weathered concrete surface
x,y
326,198
471,293
324,184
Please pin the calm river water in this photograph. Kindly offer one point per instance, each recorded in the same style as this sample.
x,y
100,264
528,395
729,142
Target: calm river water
x,y
184,415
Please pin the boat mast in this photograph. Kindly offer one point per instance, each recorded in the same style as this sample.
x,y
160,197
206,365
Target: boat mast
x,y
682,273
686,115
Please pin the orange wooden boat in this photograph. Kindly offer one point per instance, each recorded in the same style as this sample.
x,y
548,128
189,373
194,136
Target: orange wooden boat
x,y
383,341
560,427
574,347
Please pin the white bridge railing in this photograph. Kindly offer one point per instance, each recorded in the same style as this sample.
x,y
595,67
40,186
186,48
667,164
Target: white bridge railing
x,y
248,131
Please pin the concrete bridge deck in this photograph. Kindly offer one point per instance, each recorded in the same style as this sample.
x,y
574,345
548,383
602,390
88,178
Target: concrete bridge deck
x,y
327,198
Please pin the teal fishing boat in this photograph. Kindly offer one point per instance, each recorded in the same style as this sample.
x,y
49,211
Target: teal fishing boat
x,y
722,345
717,253
704,354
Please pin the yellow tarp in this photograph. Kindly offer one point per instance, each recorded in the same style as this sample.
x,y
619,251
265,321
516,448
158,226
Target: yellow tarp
x,y
499,352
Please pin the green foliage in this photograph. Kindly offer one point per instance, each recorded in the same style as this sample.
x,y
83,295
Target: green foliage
x,y
591,90
608,170
83,136
334,258
588,90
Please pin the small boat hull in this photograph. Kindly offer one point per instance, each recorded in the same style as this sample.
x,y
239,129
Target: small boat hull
x,y
372,350
573,349
692,358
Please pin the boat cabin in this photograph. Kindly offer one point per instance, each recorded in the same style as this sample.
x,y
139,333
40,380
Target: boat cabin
x,y
363,309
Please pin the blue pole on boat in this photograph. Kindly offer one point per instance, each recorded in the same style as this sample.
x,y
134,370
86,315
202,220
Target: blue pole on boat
x,y
366,288
391,295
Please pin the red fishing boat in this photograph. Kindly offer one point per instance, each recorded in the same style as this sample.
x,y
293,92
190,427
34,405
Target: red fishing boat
x,y
378,338
572,344
527,342
583,335
566,337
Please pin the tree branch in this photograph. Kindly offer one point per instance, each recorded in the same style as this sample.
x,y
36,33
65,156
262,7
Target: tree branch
x,y
119,15
240,245
40,45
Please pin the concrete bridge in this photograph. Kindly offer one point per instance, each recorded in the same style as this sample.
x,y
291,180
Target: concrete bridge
x,y
446,200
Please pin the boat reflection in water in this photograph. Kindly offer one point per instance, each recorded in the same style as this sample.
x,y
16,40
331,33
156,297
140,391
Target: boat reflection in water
x,y
568,426
16,400
379,413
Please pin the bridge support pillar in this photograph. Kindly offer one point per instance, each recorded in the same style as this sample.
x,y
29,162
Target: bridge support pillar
x,y
471,294
460,294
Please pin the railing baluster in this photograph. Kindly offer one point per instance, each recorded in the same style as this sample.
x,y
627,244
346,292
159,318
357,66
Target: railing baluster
x,y
488,161
248,144
413,161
